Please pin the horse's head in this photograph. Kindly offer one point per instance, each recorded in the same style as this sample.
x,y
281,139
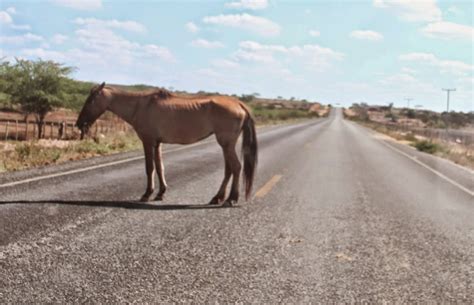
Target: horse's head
x,y
96,104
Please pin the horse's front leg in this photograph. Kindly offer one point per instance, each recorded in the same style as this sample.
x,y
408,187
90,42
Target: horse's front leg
x,y
150,171
161,172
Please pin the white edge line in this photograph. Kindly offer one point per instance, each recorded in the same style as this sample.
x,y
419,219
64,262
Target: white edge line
x,y
441,175
456,184
440,159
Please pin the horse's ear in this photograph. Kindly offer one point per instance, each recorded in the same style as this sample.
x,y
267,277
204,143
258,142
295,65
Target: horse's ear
x,y
102,86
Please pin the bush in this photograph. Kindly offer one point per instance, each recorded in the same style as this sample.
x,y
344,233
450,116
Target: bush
x,y
427,146
410,137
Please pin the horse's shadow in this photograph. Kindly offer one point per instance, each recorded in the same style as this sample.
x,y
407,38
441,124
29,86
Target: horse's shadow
x,y
134,205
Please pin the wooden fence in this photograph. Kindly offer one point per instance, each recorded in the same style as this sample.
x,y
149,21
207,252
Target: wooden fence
x,y
63,130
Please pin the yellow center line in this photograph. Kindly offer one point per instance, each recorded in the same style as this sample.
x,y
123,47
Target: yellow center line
x,y
267,187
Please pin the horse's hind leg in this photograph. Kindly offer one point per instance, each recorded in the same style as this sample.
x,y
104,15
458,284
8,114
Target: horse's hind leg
x,y
150,171
161,172
221,193
235,167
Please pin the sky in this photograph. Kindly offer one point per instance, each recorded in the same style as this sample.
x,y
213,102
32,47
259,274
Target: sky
x,y
377,52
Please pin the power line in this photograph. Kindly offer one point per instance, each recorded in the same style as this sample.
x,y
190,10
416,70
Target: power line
x,y
448,91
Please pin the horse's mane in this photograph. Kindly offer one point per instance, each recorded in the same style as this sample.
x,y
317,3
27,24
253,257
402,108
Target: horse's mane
x,y
161,93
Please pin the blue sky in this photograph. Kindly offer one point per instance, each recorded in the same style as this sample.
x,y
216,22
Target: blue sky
x,y
378,51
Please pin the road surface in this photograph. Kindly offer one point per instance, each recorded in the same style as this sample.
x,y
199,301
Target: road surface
x,y
341,214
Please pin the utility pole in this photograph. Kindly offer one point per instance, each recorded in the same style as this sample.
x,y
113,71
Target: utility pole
x,y
408,99
447,103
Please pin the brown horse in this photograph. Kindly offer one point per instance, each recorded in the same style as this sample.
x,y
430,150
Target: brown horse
x,y
159,116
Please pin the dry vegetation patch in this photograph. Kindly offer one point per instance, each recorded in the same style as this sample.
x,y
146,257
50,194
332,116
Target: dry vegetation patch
x,y
28,154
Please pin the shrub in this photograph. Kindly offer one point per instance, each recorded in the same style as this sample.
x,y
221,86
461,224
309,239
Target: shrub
x,y
427,146
410,137
23,151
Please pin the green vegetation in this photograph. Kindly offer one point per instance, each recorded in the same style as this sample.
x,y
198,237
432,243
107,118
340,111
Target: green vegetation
x,y
427,146
37,86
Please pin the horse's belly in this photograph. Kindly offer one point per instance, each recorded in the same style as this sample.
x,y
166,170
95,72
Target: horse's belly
x,y
184,138
185,133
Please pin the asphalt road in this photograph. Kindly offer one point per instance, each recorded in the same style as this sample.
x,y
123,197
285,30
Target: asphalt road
x,y
341,215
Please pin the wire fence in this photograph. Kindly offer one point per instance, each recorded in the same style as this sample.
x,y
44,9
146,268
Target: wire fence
x,y
62,130
448,135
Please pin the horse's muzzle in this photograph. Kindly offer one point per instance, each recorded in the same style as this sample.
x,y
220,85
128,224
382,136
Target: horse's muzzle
x,y
84,128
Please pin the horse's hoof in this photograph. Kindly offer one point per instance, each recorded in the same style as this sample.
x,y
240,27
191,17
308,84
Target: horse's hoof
x,y
145,199
159,197
229,203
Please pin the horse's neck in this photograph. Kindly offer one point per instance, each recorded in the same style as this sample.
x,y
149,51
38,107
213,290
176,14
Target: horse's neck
x,y
124,107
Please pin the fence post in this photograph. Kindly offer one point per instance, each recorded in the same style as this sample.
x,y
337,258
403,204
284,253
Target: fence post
x,y
6,130
34,131
26,130
16,130
72,130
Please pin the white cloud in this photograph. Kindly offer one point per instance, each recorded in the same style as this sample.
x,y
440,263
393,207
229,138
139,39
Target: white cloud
x,y
11,10
451,66
454,10
399,78
86,5
159,52
412,11
191,27
131,26
203,43
24,27
314,33
5,18
246,55
208,73
367,35
44,54
112,51
313,55
21,39
98,42
408,84
248,4
59,38
258,25
407,70
448,30
225,63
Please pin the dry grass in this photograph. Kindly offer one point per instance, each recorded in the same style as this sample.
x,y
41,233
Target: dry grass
x,y
458,153
269,115
22,155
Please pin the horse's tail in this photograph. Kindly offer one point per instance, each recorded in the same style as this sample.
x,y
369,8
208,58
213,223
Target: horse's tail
x,y
249,151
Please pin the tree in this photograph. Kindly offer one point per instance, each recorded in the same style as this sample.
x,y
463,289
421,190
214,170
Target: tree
x,y
37,86
247,98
